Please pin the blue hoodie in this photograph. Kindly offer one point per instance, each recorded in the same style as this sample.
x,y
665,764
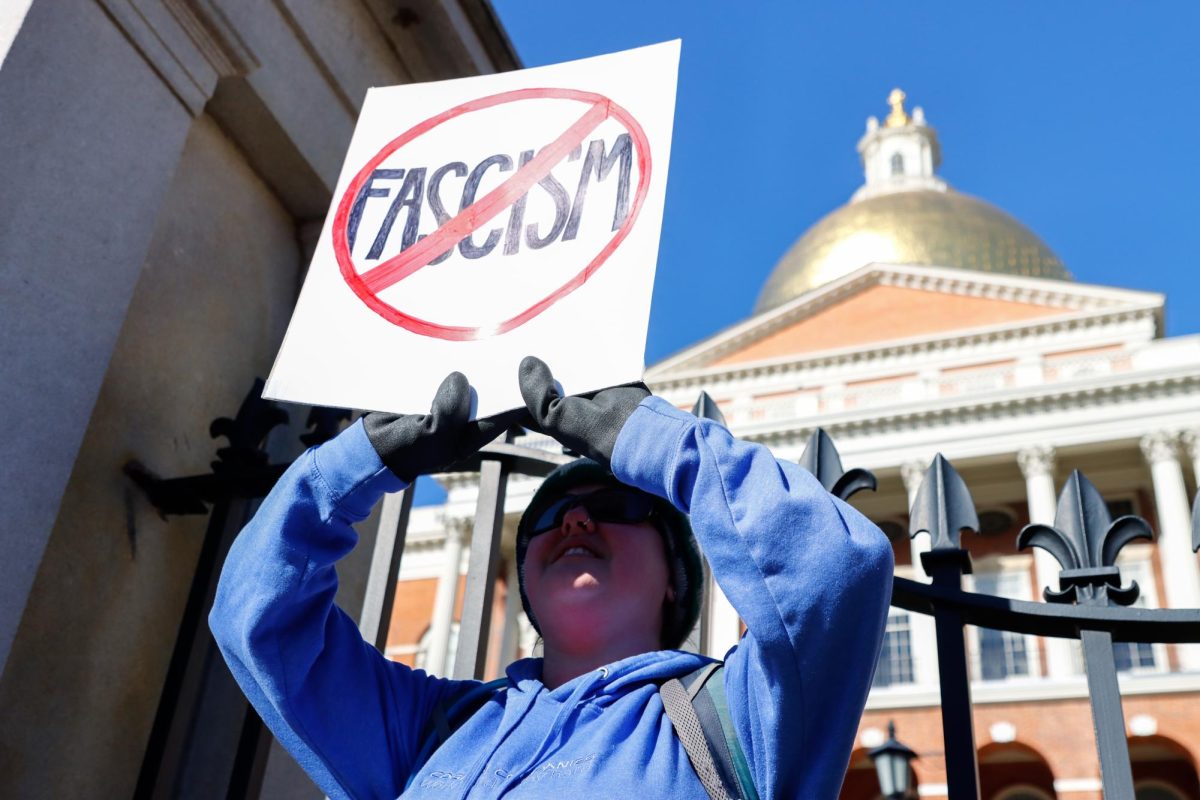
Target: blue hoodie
x,y
809,575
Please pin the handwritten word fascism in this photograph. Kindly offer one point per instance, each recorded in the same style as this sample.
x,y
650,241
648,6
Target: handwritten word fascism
x,y
410,190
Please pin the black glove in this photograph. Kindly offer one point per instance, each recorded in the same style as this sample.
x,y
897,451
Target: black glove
x,y
418,444
588,423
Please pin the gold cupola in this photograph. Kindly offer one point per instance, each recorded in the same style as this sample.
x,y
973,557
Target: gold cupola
x,y
905,214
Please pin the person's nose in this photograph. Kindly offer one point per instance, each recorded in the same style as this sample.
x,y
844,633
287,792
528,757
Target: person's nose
x,y
577,520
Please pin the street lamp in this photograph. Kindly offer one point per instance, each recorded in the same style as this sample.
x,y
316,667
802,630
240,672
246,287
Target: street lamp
x,y
892,761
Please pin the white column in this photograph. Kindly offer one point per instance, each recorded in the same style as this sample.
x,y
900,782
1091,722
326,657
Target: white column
x,y
723,622
1191,440
1037,465
447,593
921,626
912,473
512,617
1181,575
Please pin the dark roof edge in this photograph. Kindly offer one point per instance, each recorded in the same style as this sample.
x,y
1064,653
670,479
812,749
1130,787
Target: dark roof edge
x,y
496,41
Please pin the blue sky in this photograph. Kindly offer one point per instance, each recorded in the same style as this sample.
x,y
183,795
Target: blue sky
x,y
1079,119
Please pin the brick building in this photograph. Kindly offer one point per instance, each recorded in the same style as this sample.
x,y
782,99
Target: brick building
x,y
916,320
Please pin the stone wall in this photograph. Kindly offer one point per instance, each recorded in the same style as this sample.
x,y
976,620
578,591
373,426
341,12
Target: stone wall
x,y
167,168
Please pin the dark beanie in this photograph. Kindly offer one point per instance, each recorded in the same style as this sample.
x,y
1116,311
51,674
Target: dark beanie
x,y
683,557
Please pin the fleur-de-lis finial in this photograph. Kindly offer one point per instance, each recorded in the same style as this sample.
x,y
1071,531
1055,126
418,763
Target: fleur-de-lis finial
x,y
323,424
943,507
247,431
1086,540
821,458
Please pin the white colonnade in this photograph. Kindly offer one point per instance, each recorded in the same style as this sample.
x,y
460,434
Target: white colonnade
x,y
923,635
447,593
1181,574
1037,465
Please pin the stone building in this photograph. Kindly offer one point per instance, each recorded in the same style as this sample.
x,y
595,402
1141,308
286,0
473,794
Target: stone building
x,y
916,320
166,168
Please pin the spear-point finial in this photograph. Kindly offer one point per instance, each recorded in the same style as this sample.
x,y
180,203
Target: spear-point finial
x,y
1196,523
707,408
821,458
943,507
1086,540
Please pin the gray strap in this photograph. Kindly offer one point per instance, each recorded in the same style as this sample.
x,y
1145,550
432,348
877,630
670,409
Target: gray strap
x,y
698,679
687,727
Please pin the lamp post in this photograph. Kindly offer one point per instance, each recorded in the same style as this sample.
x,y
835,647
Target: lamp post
x,y
892,761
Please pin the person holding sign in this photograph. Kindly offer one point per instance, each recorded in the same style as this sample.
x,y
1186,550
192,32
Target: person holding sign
x,y
610,577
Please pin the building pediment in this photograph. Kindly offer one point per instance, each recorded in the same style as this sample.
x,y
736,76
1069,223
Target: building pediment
x,y
888,305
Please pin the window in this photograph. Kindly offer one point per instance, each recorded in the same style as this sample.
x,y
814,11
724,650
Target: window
x,y
897,164
1136,656
1000,655
895,665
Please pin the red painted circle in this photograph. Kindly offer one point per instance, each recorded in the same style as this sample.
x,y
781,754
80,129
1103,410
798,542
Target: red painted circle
x,y
355,280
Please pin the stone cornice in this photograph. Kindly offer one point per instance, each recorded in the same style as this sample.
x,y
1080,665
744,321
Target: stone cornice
x,y
189,43
877,351
1000,405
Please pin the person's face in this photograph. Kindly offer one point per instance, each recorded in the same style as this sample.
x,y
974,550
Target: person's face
x,y
604,575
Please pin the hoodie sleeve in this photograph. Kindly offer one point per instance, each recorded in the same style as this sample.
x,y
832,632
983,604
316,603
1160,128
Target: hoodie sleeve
x,y
350,717
809,575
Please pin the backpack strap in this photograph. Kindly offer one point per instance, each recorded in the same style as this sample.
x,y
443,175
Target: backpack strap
x,y
699,712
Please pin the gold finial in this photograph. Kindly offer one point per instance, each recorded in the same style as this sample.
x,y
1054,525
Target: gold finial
x,y
897,117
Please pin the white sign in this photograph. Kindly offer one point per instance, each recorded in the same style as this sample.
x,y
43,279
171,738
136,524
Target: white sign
x,y
480,220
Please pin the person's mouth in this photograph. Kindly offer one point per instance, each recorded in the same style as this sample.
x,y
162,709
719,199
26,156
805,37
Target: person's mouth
x,y
576,549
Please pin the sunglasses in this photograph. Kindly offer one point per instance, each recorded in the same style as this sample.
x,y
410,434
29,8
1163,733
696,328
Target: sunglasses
x,y
623,506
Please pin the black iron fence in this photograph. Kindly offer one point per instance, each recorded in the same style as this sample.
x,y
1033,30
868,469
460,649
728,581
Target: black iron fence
x,y
1092,604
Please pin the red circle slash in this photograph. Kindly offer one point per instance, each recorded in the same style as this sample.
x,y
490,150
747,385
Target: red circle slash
x,y
367,285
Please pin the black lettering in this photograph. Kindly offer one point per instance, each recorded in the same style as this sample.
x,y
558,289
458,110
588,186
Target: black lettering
x,y
602,163
516,215
409,197
467,247
367,191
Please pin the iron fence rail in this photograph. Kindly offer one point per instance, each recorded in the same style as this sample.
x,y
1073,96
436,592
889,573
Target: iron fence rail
x,y
1090,605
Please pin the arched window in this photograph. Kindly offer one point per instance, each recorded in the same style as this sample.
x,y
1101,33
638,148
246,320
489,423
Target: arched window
x,y
1023,793
897,164
1156,790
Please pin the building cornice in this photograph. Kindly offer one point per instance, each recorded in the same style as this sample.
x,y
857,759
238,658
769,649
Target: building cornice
x,y
864,355
997,405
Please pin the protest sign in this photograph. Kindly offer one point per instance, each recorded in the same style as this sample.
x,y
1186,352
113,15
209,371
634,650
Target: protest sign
x,y
480,220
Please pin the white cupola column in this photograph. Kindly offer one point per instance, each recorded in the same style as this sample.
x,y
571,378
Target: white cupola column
x,y
444,600
1181,574
1037,465
921,626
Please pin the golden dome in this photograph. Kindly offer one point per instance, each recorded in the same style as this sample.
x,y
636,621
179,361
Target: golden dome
x,y
936,228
